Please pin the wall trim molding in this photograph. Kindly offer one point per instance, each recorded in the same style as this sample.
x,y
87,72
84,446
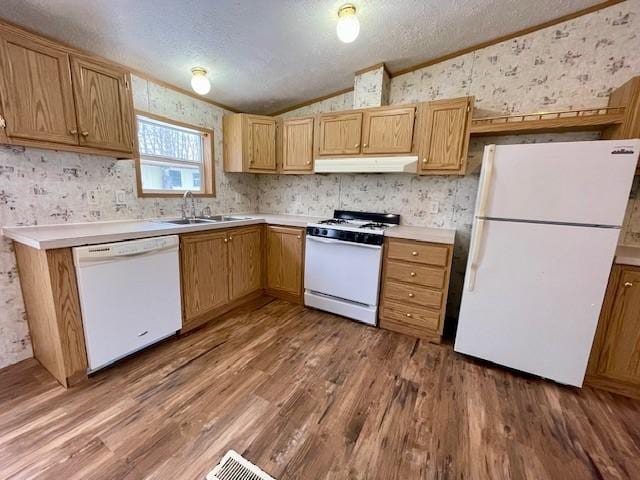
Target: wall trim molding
x,y
457,53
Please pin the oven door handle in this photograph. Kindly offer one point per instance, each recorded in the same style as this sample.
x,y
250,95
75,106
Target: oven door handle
x,y
341,242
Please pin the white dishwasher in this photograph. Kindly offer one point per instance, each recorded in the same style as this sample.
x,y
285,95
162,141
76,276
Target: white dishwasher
x,y
129,296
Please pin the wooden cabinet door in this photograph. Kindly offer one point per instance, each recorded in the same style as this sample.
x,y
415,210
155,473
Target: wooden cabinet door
x,y
388,131
204,272
618,339
444,136
103,104
285,250
297,145
260,143
37,97
245,261
339,134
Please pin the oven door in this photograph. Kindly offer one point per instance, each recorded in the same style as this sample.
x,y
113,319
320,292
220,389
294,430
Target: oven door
x,y
346,270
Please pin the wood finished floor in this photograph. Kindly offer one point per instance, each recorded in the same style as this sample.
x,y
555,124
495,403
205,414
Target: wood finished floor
x,y
308,395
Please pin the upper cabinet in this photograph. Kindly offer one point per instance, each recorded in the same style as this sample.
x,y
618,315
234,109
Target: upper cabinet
x,y
55,97
295,145
103,105
339,133
388,130
443,134
249,143
37,97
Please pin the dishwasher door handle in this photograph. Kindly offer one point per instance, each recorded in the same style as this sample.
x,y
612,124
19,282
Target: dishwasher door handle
x,y
341,242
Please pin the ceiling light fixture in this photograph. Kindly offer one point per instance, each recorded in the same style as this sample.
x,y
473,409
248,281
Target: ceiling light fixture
x,y
199,81
348,26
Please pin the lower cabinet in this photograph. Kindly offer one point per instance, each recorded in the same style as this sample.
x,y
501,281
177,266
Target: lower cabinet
x,y
415,283
615,356
285,262
218,269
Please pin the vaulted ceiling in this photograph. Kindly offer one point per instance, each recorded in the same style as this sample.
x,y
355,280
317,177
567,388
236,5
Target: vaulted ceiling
x,y
264,55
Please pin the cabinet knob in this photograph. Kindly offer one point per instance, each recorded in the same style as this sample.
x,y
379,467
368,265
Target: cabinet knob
x,y
73,132
308,162
298,237
411,295
365,145
84,133
356,145
424,160
226,240
409,315
628,284
414,253
230,238
413,274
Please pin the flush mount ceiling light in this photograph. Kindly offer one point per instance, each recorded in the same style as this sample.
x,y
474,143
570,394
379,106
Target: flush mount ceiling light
x,y
199,81
348,26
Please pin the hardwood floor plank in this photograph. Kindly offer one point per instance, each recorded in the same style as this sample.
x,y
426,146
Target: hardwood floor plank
x,y
309,395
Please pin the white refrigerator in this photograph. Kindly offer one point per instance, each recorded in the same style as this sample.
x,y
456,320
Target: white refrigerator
x,y
546,226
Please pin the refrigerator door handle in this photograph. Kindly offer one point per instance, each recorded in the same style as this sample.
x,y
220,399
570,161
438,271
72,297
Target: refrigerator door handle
x,y
474,255
478,228
485,184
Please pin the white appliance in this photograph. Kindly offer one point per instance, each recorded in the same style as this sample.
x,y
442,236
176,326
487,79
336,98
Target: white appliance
x,y
343,260
546,226
129,296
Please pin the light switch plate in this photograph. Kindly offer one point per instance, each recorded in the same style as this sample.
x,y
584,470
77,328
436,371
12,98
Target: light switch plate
x,y
121,197
92,197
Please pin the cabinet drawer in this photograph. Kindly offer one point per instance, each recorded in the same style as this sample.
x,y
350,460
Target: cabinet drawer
x,y
418,252
411,320
416,274
413,294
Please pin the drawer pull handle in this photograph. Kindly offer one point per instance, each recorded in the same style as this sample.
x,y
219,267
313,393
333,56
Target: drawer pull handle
x,y
413,274
628,284
142,334
414,253
411,295
84,133
409,315
73,132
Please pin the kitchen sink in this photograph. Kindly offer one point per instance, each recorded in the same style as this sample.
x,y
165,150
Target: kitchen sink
x,y
200,220
187,221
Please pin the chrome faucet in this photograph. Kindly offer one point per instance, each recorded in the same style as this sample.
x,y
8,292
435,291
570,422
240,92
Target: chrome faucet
x,y
188,194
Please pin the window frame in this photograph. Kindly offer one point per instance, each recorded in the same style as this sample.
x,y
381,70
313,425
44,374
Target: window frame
x,y
208,176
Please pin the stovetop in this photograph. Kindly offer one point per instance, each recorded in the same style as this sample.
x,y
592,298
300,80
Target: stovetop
x,y
355,227
343,224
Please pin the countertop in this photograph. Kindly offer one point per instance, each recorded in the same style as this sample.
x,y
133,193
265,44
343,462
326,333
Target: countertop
x,y
44,237
628,255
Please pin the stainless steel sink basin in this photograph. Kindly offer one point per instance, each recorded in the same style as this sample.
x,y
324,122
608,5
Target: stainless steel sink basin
x,y
187,221
200,220
227,218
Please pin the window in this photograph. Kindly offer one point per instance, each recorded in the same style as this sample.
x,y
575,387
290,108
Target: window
x,y
173,157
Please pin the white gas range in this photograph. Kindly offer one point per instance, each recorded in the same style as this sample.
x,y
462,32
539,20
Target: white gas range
x,y
343,261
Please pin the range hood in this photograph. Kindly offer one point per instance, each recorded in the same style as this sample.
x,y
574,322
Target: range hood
x,y
406,164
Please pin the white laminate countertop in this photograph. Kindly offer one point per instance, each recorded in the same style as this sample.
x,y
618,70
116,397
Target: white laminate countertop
x,y
422,234
628,255
44,237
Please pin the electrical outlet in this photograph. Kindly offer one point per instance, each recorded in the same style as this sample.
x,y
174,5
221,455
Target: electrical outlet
x,y
92,197
434,207
121,197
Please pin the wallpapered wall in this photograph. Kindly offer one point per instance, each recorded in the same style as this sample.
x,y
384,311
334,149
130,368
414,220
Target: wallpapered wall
x,y
571,65
45,186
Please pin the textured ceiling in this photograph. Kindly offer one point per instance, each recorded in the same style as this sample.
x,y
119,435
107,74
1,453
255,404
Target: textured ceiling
x,y
264,55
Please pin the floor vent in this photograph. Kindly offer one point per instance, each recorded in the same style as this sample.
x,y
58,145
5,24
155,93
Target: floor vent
x,y
234,467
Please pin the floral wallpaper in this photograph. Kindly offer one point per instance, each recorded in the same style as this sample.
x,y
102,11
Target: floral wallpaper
x,y
570,65
46,186
371,88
